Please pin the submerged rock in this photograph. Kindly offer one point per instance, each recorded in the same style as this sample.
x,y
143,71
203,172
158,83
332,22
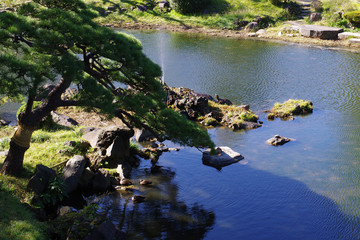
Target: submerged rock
x,y
278,140
224,157
4,122
106,231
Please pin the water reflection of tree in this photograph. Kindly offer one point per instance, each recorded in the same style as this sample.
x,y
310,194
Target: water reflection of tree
x,y
162,215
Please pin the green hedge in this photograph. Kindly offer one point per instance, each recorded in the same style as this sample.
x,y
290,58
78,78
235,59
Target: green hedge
x,y
353,18
189,6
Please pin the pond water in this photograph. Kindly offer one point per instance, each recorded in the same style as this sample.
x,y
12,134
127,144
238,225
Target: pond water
x,y
306,189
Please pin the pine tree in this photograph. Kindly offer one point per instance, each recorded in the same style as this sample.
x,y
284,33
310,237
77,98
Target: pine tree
x,y
53,41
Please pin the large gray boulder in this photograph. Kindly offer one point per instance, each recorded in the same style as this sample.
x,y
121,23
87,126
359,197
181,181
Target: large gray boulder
x,y
314,17
40,181
322,32
346,35
253,26
224,157
164,4
63,120
72,172
124,170
104,137
142,135
119,149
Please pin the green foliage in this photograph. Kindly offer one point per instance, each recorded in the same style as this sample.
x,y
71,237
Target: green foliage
x,y
189,6
249,116
4,143
289,108
51,35
211,121
277,2
353,18
55,192
317,6
83,221
134,148
77,148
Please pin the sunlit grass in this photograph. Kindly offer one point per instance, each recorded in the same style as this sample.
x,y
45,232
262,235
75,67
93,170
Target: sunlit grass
x,y
289,108
16,220
222,13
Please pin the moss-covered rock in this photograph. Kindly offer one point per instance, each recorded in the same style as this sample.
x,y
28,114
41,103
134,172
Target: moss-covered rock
x,y
205,110
290,108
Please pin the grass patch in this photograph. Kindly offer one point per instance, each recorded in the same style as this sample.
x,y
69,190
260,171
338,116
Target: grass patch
x,y
234,112
17,222
16,219
290,108
222,13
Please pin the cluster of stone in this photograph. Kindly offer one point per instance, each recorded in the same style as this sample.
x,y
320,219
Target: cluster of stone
x,y
196,107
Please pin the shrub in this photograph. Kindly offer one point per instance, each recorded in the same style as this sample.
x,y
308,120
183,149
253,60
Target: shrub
x,y
276,2
317,6
293,8
4,143
189,6
353,18
211,122
54,193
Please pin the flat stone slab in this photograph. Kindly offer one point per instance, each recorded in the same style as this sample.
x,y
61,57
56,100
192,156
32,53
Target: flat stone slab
x,y
345,35
278,140
224,157
322,32
354,40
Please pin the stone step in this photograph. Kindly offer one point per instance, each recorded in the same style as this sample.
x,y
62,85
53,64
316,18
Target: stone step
x,y
346,35
354,40
316,31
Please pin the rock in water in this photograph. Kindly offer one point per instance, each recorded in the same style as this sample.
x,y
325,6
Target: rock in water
x,y
278,140
224,157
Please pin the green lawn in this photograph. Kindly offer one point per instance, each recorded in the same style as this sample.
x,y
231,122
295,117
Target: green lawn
x,y
16,220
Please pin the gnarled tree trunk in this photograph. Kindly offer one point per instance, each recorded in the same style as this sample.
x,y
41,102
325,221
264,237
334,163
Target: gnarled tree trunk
x,y
28,121
19,143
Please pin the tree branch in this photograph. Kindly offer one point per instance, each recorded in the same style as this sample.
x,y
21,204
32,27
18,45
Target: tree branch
x,y
121,112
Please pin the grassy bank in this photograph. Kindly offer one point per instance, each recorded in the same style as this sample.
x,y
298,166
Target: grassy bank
x,y
220,17
222,14
17,220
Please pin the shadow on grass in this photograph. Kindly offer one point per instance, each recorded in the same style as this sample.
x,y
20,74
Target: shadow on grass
x,y
16,219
